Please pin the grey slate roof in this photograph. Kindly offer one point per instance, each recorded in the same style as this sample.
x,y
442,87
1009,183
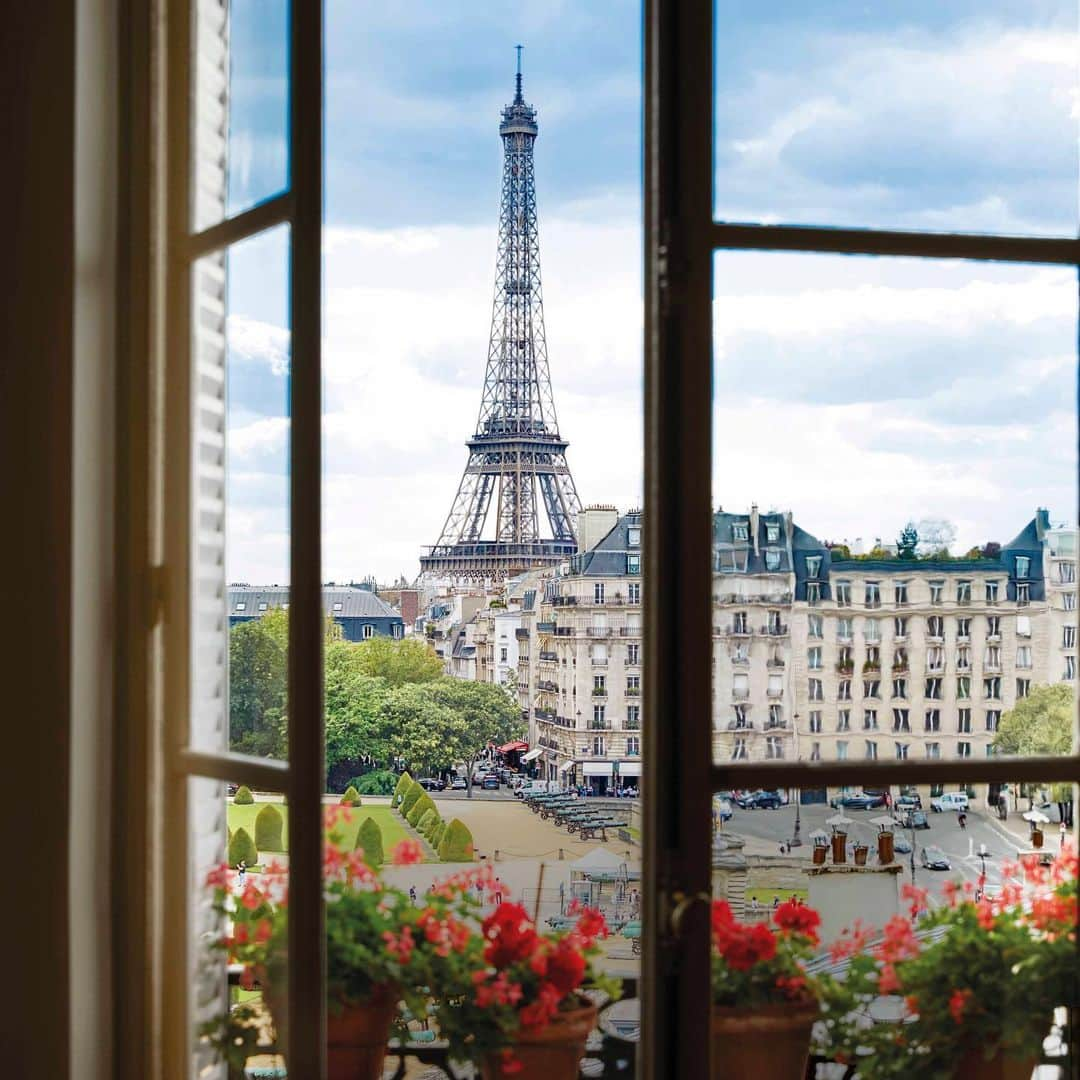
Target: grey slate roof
x,y
608,557
355,603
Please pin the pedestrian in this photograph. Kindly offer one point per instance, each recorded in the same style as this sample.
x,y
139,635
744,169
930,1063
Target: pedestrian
x,y
775,902
412,895
1062,831
754,904
498,891
962,818
241,873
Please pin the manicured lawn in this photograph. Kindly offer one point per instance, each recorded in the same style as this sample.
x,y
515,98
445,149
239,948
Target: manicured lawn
x,y
393,828
765,896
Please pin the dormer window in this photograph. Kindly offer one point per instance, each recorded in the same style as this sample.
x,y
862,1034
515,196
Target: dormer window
x,y
241,606
772,533
262,606
813,565
740,532
338,605
633,536
1023,566
772,560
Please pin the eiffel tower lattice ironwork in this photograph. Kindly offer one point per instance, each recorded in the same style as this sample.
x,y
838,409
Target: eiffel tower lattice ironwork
x,y
517,457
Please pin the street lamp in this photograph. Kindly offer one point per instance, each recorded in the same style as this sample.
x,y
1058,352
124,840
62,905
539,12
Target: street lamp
x,y
796,839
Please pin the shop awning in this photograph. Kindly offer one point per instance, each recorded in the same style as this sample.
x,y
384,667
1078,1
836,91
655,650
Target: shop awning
x,y
597,768
533,754
629,768
566,766
513,747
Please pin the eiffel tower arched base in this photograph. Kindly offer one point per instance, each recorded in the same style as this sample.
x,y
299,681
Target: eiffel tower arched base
x,y
492,560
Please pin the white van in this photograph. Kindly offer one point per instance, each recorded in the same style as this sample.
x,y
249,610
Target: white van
x,y
537,787
951,800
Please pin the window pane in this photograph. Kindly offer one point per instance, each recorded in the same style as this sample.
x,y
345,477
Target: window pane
x,y
241,105
936,891
238,843
935,116
242,367
924,486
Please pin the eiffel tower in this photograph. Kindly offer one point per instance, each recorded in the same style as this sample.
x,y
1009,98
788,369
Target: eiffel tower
x,y
517,451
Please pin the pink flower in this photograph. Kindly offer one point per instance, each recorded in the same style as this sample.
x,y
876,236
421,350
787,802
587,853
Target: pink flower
x,y
958,1003
408,853
888,983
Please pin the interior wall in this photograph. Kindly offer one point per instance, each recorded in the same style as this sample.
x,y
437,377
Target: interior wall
x,y
37,129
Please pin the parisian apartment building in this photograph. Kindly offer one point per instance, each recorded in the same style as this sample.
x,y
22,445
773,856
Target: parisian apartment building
x,y
816,657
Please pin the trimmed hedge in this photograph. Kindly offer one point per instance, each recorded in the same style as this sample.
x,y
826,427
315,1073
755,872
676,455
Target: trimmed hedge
x,y
378,782
408,801
419,809
242,849
457,843
437,835
428,821
351,797
402,786
243,796
369,838
269,828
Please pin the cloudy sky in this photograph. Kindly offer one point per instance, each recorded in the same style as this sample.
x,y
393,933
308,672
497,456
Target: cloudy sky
x,y
857,392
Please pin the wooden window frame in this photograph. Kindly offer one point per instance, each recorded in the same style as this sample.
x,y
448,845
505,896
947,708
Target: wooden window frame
x,y
680,241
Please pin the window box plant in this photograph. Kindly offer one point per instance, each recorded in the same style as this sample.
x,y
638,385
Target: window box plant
x,y
515,1004
764,1004
975,981
380,952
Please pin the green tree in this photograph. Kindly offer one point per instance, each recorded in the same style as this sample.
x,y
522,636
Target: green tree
x,y
907,543
457,843
403,785
351,797
399,660
1042,723
437,724
408,801
353,704
419,809
379,782
369,840
243,796
258,676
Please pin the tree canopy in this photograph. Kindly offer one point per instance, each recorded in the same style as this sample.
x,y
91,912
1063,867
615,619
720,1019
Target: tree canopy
x,y
398,661
907,542
258,673
1041,723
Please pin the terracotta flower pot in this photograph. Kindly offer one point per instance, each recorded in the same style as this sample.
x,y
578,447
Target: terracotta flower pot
x,y
820,853
861,852
973,1066
885,851
356,1037
770,1041
551,1053
839,847
1036,838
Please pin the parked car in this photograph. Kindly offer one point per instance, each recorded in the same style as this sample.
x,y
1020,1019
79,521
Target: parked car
x,y
723,809
915,819
490,782
759,800
933,858
458,784
432,783
951,800
862,801
901,846
908,802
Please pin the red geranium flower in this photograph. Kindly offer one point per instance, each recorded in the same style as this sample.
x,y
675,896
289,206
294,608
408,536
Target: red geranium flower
x,y
748,946
566,967
407,853
795,918
510,935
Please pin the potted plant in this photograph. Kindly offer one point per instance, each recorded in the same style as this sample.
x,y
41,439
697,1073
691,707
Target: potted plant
x,y
379,953
973,1002
516,1004
764,1004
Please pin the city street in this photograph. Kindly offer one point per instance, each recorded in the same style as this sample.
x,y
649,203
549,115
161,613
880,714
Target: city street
x,y
960,845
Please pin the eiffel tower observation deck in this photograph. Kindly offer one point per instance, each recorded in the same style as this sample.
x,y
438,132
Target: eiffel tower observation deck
x,y
517,468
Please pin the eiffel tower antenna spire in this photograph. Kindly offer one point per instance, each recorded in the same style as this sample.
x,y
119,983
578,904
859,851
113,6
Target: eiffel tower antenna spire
x,y
517,452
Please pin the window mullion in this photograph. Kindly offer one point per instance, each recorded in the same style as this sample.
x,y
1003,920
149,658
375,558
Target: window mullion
x,y
307,989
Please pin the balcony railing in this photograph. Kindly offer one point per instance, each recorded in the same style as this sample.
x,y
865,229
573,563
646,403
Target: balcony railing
x,y
599,691
548,685
521,634
547,627
599,631
776,725
633,691
598,661
775,630
548,656
775,662
564,631
740,661
629,631
740,693
775,692
740,725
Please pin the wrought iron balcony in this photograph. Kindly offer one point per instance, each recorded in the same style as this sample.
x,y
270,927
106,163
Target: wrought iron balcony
x,y
775,630
546,627
547,656
598,661
775,662
599,631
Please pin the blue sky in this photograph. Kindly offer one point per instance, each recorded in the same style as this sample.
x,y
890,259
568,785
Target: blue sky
x,y
858,393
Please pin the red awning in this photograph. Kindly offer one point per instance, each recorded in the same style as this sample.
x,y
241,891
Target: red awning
x,y
511,747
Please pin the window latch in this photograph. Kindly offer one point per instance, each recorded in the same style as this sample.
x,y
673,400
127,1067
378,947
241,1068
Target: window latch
x,y
683,903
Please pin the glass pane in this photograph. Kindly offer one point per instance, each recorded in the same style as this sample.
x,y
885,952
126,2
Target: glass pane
x,y
895,573
242,554
238,854
924,115
241,105
469,411
931,929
